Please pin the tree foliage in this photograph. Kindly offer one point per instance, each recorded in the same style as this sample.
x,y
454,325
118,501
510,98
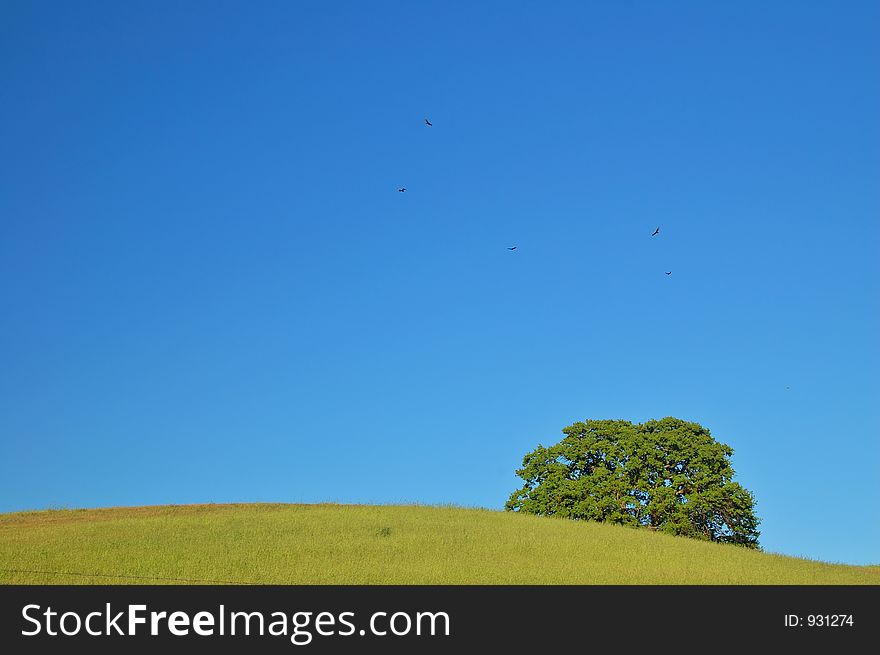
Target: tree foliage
x,y
667,474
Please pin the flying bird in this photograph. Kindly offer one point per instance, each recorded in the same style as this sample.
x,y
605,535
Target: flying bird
x,y
511,247
668,272
656,232
429,123
401,189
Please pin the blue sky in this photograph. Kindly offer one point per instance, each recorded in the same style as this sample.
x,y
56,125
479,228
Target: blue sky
x,y
211,291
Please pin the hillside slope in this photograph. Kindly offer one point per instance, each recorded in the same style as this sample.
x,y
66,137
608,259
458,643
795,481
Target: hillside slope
x,y
362,544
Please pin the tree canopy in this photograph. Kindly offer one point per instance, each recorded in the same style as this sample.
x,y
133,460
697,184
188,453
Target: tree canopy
x,y
669,475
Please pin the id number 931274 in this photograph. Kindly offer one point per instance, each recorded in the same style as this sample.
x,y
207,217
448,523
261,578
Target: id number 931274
x,y
819,621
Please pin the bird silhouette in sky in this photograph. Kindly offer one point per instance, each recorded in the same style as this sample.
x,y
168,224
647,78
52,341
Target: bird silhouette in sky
x,y
668,272
401,189
511,247
429,123
656,232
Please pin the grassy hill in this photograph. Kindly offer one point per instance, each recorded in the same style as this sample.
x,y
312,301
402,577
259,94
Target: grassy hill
x,y
361,544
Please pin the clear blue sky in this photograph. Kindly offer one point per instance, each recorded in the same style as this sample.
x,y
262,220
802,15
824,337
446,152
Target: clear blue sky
x,y
211,290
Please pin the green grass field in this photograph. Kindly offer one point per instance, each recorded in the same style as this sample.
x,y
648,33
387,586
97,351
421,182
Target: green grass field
x,y
362,544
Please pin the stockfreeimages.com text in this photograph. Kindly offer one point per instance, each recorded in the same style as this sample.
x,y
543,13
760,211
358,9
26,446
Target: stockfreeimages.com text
x,y
301,627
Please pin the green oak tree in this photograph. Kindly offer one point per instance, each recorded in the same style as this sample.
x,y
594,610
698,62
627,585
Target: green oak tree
x,y
669,475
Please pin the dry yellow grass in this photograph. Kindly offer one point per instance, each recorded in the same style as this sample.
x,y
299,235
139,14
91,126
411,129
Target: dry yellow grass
x,y
363,544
